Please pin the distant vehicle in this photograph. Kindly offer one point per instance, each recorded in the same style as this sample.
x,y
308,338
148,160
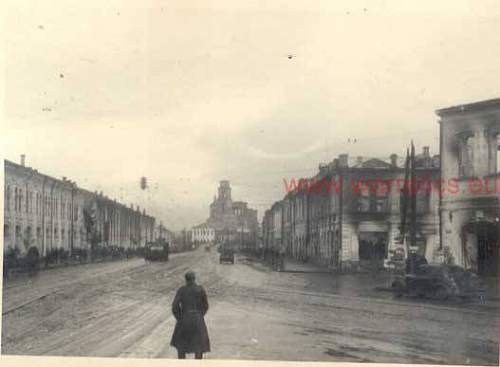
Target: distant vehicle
x,y
157,251
439,282
226,256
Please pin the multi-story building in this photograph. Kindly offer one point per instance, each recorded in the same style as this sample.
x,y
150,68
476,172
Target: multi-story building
x,y
232,220
160,231
50,213
470,211
348,215
202,233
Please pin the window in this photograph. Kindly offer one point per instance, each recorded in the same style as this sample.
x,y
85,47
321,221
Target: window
x,y
38,204
466,156
20,205
31,203
364,201
498,153
18,234
6,232
15,199
28,239
374,199
423,202
7,198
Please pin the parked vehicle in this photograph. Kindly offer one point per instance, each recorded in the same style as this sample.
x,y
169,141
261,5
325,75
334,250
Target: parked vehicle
x,y
439,282
14,261
156,251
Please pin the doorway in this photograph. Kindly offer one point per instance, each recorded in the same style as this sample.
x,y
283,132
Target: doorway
x,y
481,248
487,251
372,249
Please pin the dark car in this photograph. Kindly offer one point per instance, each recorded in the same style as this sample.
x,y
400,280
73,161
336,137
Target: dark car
x,y
156,251
439,282
226,256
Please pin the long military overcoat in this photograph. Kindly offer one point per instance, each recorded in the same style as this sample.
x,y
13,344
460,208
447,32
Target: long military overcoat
x,y
189,306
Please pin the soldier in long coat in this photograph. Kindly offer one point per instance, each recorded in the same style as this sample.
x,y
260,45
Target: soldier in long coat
x,y
189,307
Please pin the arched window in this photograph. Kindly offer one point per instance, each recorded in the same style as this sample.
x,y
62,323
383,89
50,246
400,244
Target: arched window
x,y
16,195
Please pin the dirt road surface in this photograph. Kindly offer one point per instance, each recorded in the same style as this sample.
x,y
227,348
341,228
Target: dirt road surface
x,y
122,309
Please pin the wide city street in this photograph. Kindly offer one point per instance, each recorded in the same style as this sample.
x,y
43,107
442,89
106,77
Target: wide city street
x,y
122,309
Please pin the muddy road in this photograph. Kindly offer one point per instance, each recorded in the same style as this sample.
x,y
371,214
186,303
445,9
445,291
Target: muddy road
x,y
122,309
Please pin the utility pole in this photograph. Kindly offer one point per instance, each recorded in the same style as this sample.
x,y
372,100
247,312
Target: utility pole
x,y
413,204
72,217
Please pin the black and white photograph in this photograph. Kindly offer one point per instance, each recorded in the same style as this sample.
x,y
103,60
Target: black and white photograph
x,y
298,181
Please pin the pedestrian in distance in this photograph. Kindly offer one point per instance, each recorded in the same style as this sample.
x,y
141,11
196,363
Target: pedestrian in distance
x,y
189,308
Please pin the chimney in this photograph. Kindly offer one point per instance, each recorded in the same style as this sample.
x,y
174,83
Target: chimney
x,y
394,160
64,178
426,153
23,160
343,160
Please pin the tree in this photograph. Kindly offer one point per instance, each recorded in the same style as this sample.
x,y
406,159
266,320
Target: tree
x,y
28,239
90,222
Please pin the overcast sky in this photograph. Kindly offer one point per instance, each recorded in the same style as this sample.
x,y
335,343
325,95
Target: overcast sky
x,y
188,93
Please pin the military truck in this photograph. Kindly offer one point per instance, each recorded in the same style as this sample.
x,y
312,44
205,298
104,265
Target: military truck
x,y
157,250
226,251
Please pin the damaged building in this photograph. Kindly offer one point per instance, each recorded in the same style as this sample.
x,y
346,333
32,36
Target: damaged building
x,y
348,216
470,156
345,224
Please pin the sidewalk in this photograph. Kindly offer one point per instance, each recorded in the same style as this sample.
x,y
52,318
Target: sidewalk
x,y
376,283
294,266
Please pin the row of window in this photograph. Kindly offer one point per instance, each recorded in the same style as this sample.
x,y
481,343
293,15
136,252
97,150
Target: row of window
x,y
466,148
29,235
23,203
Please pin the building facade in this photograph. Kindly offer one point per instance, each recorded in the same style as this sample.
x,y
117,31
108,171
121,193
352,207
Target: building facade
x,y
470,159
202,233
232,220
51,213
348,216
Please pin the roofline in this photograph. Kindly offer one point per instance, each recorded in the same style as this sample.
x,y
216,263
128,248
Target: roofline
x,y
469,107
70,183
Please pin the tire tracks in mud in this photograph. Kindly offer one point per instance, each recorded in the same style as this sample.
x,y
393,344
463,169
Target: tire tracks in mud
x,y
329,319
101,315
